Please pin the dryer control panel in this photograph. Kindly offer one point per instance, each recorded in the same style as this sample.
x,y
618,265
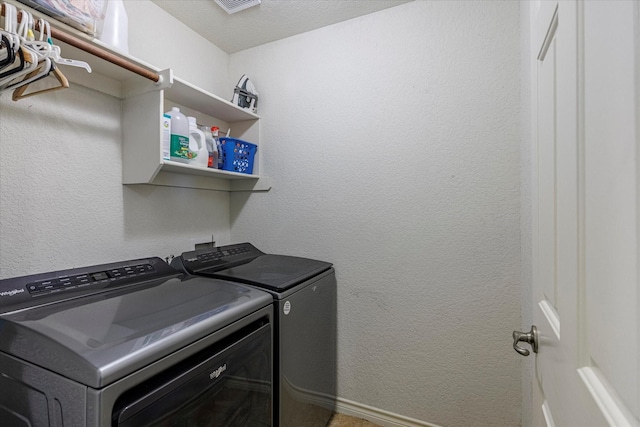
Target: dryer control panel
x,y
28,291
217,258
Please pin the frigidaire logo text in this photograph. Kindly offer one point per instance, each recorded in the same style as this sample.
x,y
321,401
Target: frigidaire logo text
x,y
215,374
11,293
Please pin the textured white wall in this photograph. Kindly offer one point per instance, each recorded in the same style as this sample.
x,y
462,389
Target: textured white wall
x,y
392,141
393,145
161,40
62,202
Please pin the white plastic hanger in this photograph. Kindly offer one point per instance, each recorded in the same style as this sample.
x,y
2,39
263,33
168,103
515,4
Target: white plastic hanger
x,y
45,31
30,58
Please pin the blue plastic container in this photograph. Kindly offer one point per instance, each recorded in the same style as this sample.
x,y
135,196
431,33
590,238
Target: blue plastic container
x,y
237,155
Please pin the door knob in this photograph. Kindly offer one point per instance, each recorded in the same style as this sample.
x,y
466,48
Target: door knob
x,y
530,337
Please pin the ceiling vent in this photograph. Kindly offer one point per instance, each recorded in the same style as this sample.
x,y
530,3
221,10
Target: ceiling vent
x,y
233,6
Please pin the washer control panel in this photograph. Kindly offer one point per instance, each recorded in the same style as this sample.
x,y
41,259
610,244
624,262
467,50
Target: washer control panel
x,y
56,284
28,291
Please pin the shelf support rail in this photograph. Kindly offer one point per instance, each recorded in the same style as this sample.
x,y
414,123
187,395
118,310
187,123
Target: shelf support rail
x,y
99,52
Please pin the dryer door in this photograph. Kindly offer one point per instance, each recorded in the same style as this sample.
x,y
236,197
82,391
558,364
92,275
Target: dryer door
x,y
227,385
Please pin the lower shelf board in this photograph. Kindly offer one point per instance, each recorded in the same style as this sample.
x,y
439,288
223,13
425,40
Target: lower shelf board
x,y
207,182
185,168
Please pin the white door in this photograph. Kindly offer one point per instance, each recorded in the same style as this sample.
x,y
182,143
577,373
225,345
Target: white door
x,y
586,212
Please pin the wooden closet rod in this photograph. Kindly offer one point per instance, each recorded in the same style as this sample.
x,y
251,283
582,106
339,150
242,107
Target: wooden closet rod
x,y
99,52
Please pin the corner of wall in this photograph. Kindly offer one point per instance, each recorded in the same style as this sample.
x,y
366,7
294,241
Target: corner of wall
x,y
206,65
525,199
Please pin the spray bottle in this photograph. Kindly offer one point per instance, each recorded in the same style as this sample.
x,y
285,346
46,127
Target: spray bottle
x,y
212,145
220,162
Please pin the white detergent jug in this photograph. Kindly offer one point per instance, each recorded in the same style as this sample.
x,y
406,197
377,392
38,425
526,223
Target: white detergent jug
x,y
197,144
115,27
179,146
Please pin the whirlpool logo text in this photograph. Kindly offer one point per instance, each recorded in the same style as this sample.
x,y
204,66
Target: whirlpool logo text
x,y
215,374
11,293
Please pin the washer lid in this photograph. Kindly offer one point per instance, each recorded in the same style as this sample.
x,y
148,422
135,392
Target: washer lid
x,y
99,339
274,272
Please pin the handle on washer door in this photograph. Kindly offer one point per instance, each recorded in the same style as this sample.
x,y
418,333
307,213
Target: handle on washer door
x,y
530,337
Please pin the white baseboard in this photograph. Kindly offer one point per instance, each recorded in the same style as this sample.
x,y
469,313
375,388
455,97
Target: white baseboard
x,y
353,409
377,416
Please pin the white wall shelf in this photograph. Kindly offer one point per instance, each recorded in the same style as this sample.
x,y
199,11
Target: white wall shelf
x,y
142,155
144,102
